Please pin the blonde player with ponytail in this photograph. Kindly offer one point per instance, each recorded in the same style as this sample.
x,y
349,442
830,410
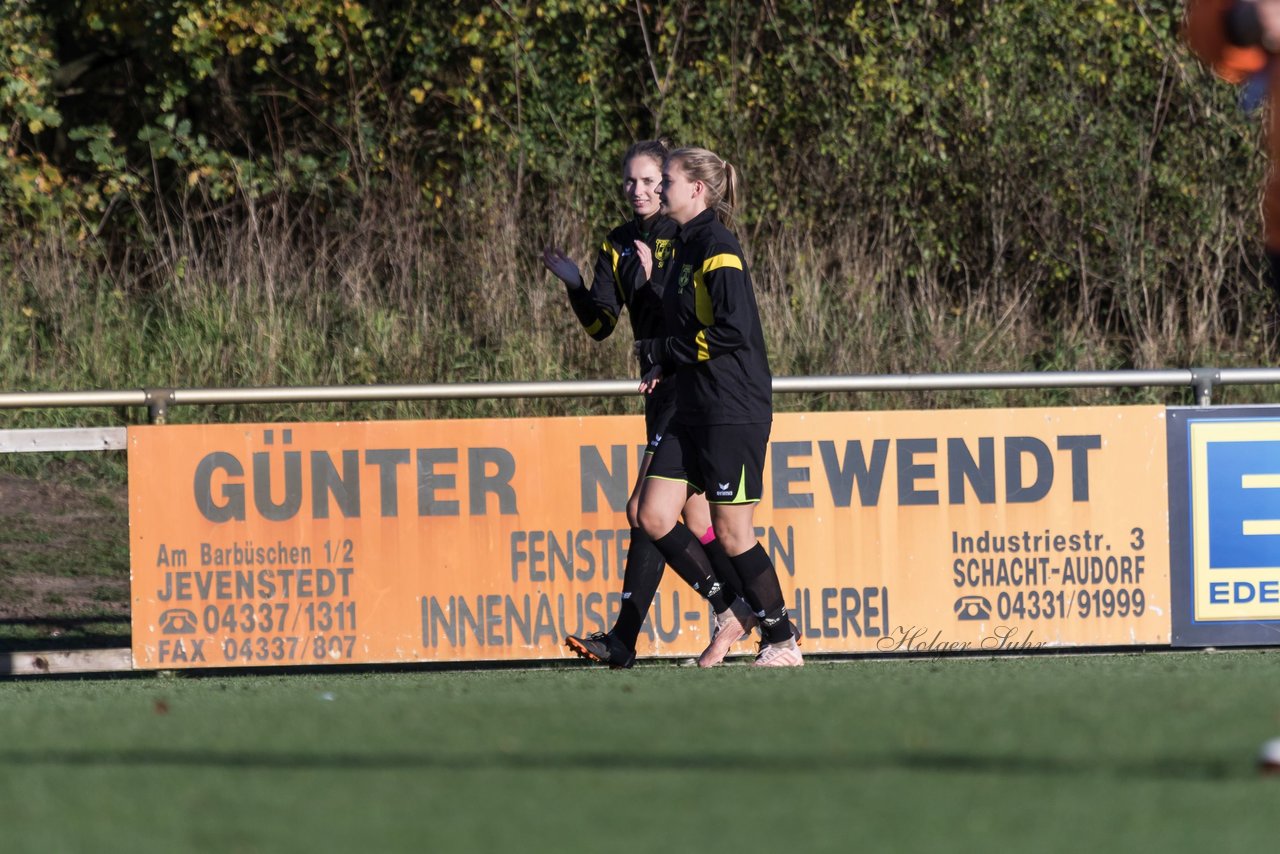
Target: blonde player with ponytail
x,y
714,352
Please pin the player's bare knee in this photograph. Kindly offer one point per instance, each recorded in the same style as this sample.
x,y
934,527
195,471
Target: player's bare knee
x,y
699,524
735,530
656,521
735,543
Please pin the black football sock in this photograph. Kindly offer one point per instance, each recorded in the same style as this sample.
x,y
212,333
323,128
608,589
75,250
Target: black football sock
x,y
639,585
722,567
689,559
728,575
763,593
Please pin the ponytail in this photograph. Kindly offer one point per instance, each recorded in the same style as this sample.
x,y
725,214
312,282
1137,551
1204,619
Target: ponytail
x,y
724,189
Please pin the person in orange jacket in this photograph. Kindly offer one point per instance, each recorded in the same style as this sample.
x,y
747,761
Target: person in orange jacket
x,y
1240,41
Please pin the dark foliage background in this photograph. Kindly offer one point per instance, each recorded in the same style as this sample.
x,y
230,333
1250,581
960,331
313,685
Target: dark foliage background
x,y
201,193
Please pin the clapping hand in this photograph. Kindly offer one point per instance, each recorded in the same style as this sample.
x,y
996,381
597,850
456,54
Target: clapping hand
x,y
562,266
645,256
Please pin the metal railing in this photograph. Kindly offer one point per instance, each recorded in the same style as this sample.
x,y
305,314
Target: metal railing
x,y
158,401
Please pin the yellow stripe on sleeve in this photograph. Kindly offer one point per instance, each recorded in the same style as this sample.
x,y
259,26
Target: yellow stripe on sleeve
x,y
617,285
702,301
702,297
716,262
613,257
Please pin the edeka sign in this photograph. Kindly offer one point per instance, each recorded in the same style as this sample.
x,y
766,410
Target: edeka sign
x,y
288,544
1224,508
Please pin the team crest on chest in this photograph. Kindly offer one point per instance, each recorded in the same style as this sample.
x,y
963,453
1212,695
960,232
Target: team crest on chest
x,y
686,273
663,252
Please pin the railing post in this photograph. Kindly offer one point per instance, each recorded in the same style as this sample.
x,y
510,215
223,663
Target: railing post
x,y
158,400
1202,380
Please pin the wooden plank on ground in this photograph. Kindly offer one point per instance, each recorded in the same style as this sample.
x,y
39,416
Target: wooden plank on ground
x,y
63,439
65,661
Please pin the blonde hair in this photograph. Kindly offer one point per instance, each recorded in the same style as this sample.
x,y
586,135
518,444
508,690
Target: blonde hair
x,y
717,175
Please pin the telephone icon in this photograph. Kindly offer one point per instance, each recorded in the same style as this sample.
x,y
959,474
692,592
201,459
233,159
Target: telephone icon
x,y
178,621
973,608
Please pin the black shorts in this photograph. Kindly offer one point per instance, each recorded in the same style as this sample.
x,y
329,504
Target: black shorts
x,y
658,409
724,461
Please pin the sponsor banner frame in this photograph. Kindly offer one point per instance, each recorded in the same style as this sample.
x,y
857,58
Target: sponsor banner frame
x,y
988,530
1224,525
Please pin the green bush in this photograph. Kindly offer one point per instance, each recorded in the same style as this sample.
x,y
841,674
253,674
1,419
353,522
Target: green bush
x,y
247,192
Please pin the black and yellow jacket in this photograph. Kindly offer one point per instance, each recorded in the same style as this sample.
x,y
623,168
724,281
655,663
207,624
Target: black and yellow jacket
x,y
619,281
714,342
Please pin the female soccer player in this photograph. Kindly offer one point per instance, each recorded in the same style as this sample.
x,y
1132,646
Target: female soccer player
x,y
716,441
632,270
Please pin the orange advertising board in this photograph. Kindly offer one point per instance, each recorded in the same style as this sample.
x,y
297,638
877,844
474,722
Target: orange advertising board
x,y
407,541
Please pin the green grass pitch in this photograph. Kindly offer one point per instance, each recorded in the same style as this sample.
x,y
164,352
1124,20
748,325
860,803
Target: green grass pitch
x,y
1134,752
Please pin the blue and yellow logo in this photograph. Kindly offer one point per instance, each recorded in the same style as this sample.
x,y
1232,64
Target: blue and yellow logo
x,y
1235,519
